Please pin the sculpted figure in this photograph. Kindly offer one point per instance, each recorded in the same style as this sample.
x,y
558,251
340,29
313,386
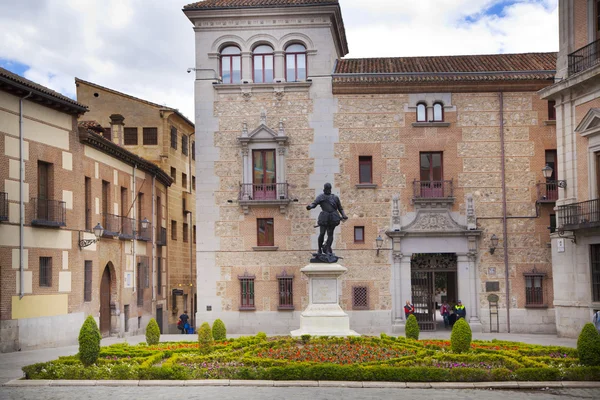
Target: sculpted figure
x,y
329,218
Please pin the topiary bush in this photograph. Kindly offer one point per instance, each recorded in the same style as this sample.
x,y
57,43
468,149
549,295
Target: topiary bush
x,y
460,339
89,342
205,338
412,327
588,346
152,333
219,332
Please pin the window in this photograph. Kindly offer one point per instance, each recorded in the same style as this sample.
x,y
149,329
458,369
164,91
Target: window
x,y
43,209
173,230
186,232
193,182
286,293
105,200
142,272
150,136
231,65
295,63
107,134
184,145
159,276
595,264
551,110
534,291
265,232
359,234
46,271
438,112
262,60
174,174
421,112
194,233
88,204
431,175
247,292
193,149
264,174
131,136
551,161
184,180
365,169
552,223
360,298
174,137
87,281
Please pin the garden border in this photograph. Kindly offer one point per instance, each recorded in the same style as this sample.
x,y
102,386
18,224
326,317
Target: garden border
x,y
507,385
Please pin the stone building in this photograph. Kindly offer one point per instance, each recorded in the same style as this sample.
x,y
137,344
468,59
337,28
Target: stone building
x,y
165,137
437,160
58,182
576,93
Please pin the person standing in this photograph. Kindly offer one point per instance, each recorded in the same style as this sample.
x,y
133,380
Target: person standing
x,y
184,321
445,312
409,309
460,310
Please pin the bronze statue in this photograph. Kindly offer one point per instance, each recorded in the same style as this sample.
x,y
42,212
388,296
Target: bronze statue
x,y
329,218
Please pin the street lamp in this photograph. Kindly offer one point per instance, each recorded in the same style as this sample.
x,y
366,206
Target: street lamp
x,y
547,171
145,223
494,240
379,242
98,231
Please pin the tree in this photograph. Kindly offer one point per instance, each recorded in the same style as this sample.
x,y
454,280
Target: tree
x,y
89,341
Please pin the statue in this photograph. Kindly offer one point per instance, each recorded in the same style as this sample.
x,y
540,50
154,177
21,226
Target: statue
x,y
329,218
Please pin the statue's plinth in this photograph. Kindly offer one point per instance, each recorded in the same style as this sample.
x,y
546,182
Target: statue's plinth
x,y
324,316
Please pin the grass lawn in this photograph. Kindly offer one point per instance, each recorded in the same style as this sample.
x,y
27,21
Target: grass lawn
x,y
350,359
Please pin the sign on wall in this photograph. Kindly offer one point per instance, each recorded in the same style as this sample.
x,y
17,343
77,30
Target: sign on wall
x,y
560,245
128,281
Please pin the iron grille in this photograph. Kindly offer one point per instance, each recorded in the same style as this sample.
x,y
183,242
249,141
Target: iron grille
x,y
3,207
432,189
595,261
286,295
534,291
247,290
49,212
267,191
584,58
547,192
360,298
161,240
87,282
174,138
131,137
46,271
585,214
144,234
127,228
184,145
150,136
111,224
423,297
159,276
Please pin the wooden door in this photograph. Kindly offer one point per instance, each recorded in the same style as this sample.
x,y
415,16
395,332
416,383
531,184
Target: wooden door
x,y
105,303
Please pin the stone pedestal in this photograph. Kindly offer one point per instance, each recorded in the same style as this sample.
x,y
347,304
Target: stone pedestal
x,y
324,316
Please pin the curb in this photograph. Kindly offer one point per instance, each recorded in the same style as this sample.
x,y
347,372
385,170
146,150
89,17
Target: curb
x,y
509,385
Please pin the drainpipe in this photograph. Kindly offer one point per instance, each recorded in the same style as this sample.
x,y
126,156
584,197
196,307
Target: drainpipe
x,y
504,219
153,241
133,241
21,199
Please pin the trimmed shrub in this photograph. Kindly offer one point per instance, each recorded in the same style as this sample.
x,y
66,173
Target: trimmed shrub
x,y
219,332
588,346
205,338
152,333
305,338
261,336
460,339
89,342
412,327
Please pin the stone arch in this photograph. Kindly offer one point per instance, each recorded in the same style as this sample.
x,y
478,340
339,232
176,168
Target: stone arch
x,y
262,38
229,40
292,38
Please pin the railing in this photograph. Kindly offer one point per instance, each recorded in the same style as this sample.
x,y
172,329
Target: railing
x,y
585,214
144,234
584,58
432,189
3,207
111,224
127,228
161,237
49,212
547,192
263,191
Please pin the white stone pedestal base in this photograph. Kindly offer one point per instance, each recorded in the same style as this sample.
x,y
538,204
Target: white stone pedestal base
x,y
324,316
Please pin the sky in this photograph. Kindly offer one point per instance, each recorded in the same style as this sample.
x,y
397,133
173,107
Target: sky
x,y
144,47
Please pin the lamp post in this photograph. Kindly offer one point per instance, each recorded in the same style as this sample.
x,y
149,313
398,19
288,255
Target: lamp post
x,y
379,242
494,241
547,171
98,231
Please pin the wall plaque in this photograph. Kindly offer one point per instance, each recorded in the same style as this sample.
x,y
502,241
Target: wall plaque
x,y
324,291
492,286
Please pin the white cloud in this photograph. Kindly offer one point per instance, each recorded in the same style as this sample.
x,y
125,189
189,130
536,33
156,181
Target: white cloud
x,y
143,47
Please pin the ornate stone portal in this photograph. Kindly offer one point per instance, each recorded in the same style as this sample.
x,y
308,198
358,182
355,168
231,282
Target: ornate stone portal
x,y
324,316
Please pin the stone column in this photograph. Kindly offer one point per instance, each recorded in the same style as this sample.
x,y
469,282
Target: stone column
x,y
247,66
280,170
279,72
467,289
246,175
405,282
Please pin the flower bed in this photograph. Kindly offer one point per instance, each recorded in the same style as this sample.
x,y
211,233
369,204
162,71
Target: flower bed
x,y
354,359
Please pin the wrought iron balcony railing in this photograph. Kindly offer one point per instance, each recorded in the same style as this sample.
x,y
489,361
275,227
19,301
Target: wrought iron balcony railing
x,y
3,207
582,215
433,189
127,228
258,192
52,213
584,58
161,237
547,192
144,234
111,224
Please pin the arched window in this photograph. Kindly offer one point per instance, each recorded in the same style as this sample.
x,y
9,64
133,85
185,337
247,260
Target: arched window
x,y
295,63
421,112
231,65
438,112
262,59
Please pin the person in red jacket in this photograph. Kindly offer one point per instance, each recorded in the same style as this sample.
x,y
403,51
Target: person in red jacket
x,y
409,309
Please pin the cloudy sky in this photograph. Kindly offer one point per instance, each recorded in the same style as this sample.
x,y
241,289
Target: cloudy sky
x,y
143,47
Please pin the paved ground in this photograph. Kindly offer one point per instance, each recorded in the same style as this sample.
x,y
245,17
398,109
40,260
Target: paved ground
x,y
245,393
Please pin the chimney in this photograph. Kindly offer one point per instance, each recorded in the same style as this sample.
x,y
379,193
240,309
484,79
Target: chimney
x,y
116,128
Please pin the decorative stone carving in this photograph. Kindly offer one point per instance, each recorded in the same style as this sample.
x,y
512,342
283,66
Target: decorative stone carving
x,y
396,212
397,257
279,95
434,261
246,95
281,150
471,220
263,117
433,221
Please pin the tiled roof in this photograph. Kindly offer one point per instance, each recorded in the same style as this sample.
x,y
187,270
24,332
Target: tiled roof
x,y
220,4
22,85
493,67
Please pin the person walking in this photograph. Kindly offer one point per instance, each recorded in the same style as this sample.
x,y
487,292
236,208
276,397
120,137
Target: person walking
x,y
445,312
460,310
184,321
409,309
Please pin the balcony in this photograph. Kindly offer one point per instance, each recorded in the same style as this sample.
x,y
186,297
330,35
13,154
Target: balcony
x,y
547,192
263,195
50,213
161,237
144,234
3,207
584,58
111,224
582,215
433,190
127,228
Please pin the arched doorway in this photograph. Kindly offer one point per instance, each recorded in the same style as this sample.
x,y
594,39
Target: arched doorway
x,y
105,314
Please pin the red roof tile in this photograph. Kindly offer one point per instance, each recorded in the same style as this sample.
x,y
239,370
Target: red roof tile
x,y
217,4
